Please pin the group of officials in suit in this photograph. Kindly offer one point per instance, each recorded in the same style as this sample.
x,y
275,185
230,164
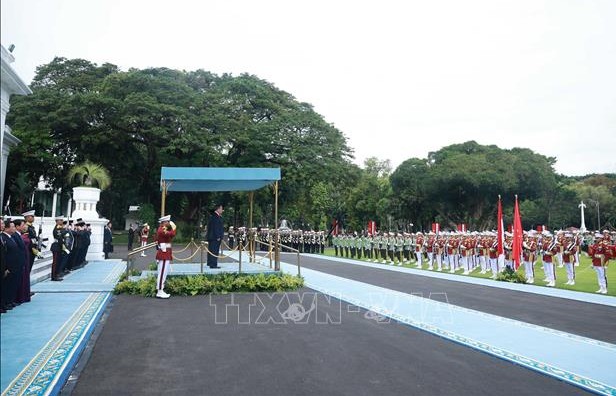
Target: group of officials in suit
x,y
19,246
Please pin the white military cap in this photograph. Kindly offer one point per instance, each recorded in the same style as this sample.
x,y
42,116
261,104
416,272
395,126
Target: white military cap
x,y
28,213
164,218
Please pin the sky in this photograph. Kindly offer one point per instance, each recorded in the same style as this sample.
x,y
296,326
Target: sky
x,y
399,78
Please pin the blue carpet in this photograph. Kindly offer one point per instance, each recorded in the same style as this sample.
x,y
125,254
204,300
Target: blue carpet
x,y
41,340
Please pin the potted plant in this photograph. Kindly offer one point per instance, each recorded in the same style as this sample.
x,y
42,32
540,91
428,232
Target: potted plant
x,y
90,179
88,174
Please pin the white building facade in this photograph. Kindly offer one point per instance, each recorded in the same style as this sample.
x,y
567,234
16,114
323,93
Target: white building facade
x,y
12,84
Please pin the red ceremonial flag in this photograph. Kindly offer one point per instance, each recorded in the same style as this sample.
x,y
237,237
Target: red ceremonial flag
x,y
517,234
501,233
372,227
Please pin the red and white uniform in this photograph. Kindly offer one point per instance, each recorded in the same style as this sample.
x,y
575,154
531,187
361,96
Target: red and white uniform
x,y
569,250
550,248
601,252
164,236
419,242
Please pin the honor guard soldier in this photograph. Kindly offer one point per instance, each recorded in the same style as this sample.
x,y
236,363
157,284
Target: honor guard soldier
x,y
231,237
143,235
549,249
419,248
430,249
493,252
406,247
529,254
466,248
36,243
600,252
164,235
482,252
569,250
453,249
56,249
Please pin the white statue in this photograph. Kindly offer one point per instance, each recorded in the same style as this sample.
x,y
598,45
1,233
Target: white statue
x,y
284,225
583,226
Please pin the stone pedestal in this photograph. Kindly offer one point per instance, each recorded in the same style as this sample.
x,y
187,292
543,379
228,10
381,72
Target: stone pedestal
x,y
85,199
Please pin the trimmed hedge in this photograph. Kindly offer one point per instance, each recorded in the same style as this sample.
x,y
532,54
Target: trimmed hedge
x,y
212,284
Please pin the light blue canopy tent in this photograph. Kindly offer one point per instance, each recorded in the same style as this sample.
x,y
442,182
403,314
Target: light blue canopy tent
x,y
220,179
217,179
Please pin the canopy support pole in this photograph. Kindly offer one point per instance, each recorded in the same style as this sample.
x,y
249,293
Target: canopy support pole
x,y
251,247
276,236
162,199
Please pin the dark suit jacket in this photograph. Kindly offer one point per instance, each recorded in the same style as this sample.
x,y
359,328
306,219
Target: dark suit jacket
x,y
107,240
215,228
15,256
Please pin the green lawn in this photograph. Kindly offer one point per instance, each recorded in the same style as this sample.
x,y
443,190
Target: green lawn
x,y
585,275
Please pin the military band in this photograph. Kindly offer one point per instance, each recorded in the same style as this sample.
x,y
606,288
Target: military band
x,y
470,251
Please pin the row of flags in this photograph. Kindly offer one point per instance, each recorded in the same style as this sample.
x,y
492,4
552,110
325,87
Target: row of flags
x,y
518,234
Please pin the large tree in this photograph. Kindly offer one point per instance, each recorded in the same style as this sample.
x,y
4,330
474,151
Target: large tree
x,y
134,122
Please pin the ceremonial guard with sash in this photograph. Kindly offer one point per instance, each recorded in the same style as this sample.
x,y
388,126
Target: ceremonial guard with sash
x,y
493,253
453,249
569,250
600,252
164,256
439,246
466,249
529,254
419,248
549,250
430,249
482,252
144,234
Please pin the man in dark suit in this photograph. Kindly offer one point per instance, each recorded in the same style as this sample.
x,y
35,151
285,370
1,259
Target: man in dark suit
x,y
3,268
215,233
107,241
131,237
15,261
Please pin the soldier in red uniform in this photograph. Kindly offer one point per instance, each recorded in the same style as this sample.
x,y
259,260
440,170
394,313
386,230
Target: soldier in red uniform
x,y
466,248
164,236
482,252
430,250
437,250
569,250
529,253
600,252
493,252
453,251
419,246
549,248
143,235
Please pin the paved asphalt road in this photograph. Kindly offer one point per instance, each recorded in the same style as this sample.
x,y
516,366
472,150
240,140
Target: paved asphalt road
x,y
585,319
175,347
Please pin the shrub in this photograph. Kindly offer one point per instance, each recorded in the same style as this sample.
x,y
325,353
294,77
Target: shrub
x,y
509,275
212,284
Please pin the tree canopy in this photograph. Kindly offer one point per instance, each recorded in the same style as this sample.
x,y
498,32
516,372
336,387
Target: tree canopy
x,y
134,122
